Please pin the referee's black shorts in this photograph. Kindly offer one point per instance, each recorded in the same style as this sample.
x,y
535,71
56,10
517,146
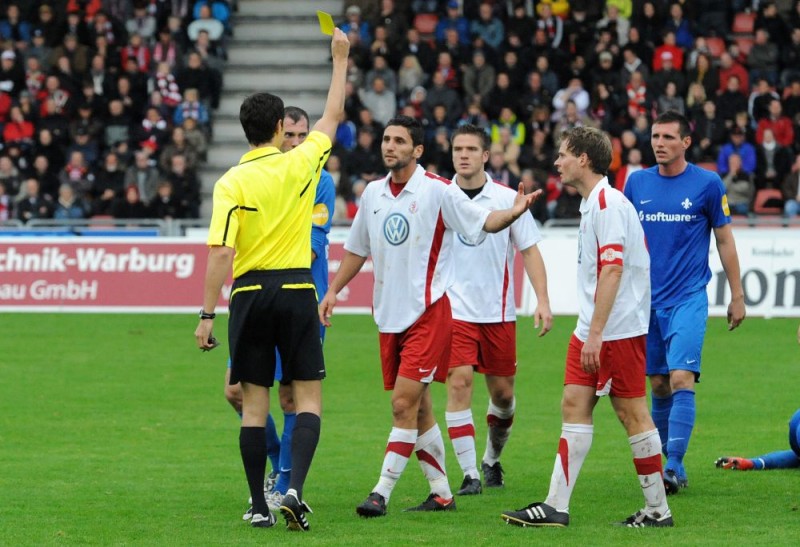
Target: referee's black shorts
x,y
274,309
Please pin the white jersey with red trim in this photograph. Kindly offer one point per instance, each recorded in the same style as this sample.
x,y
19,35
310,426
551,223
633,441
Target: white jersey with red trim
x,y
483,291
611,233
410,238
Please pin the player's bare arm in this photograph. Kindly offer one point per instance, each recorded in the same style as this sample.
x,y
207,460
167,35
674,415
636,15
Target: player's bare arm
x,y
537,274
220,261
607,287
351,264
334,105
502,219
726,246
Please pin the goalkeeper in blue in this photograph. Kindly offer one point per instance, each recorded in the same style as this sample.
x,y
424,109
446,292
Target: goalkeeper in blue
x,y
782,459
680,205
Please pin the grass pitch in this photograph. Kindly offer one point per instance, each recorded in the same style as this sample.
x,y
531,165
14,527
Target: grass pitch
x,y
115,431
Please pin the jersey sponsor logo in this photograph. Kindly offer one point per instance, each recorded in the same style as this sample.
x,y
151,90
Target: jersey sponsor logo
x,y
665,217
396,229
320,214
465,241
725,208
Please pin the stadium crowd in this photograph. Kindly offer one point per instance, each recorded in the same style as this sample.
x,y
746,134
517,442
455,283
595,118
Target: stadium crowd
x,y
105,106
525,71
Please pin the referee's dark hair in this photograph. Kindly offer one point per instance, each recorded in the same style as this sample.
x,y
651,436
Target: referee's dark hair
x,y
259,116
413,125
470,129
295,114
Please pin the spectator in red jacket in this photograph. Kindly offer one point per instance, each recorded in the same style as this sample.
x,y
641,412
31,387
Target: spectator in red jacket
x,y
18,130
781,125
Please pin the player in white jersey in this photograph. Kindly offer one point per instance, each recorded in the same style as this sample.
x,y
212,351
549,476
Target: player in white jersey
x,y
484,314
405,222
606,355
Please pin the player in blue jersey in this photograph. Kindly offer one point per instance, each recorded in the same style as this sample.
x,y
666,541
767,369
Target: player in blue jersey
x,y
295,131
679,205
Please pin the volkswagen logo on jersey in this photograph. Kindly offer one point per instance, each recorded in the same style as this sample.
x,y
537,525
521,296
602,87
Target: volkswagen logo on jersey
x,y
395,229
464,240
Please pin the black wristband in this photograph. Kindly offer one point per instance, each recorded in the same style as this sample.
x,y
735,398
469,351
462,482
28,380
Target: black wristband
x,y
204,315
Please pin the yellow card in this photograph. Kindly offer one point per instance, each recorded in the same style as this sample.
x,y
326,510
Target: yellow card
x,y
325,23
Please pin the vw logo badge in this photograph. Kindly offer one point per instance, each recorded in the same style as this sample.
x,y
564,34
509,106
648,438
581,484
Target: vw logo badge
x,y
464,241
395,229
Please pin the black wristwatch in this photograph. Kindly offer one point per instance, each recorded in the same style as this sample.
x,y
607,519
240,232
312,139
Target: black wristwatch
x,y
204,315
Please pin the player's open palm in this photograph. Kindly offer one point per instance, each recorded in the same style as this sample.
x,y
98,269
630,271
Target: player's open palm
x,y
523,201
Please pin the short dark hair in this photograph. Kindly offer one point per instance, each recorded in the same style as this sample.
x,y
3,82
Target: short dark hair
x,y
413,125
259,115
295,113
592,142
673,116
471,129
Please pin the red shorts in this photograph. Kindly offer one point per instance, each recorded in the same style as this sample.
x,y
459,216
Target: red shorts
x,y
622,367
489,347
422,351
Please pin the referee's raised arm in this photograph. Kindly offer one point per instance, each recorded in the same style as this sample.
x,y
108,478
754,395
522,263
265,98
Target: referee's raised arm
x,y
334,105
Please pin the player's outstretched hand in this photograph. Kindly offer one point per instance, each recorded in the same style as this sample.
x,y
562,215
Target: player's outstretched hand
x,y
326,306
340,45
524,201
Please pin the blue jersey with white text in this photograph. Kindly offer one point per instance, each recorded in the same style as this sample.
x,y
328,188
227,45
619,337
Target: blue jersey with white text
x,y
677,214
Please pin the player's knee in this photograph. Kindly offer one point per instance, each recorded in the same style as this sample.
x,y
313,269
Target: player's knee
x,y
503,399
403,407
459,382
635,418
286,398
660,385
233,394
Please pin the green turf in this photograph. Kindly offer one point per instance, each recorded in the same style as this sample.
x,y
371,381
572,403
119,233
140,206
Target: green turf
x,y
115,431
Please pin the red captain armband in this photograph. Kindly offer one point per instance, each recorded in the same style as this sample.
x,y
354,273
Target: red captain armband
x,y
610,254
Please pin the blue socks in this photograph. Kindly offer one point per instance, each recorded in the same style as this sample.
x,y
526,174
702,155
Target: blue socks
x,y
661,407
273,443
784,459
285,464
681,424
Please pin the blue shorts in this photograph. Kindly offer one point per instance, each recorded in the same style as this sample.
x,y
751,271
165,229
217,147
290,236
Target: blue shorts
x,y
675,339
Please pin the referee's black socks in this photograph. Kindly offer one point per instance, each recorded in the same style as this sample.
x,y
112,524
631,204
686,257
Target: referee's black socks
x,y
253,446
304,444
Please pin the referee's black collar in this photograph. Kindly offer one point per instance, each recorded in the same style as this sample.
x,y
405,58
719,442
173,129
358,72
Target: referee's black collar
x,y
258,153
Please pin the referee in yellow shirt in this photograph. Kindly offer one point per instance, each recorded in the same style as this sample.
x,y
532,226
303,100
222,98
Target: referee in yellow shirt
x,y
261,227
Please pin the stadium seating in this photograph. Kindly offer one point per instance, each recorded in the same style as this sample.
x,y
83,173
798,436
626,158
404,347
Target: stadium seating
x,y
716,46
743,23
768,201
425,23
710,165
